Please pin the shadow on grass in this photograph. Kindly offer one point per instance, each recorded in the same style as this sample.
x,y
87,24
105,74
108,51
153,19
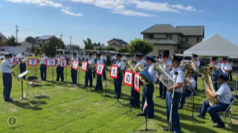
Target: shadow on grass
x,y
27,105
42,97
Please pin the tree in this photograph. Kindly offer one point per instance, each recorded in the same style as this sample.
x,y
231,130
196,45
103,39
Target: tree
x,y
140,46
123,50
31,40
88,44
5,42
52,45
109,48
11,41
99,48
35,50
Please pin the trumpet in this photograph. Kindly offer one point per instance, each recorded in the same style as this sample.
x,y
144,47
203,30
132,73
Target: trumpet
x,y
23,59
42,57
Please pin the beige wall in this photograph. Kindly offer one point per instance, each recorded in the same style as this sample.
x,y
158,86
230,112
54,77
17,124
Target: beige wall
x,y
175,38
163,47
192,40
160,36
115,46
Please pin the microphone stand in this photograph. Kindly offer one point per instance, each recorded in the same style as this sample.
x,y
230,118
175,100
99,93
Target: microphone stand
x,y
172,101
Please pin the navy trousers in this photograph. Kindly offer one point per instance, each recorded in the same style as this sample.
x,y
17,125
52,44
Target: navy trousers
x,y
94,74
88,76
117,85
162,90
104,74
99,83
135,96
175,116
148,91
7,85
74,76
196,85
216,85
212,110
184,95
22,67
43,69
60,73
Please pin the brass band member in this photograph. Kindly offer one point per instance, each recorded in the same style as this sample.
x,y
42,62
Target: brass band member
x,y
99,77
74,72
225,66
104,58
95,61
22,65
43,67
6,69
196,62
88,74
224,99
59,69
216,72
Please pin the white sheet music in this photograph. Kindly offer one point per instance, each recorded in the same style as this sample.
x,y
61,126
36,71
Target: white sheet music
x,y
23,74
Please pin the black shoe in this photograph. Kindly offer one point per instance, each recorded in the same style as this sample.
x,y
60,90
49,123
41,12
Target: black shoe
x,y
141,114
200,116
9,100
167,129
162,97
158,96
219,125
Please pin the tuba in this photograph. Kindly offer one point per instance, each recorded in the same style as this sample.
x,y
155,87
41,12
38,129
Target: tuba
x,y
208,83
164,77
130,66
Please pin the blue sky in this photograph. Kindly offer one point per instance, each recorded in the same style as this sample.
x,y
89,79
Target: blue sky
x,y
102,20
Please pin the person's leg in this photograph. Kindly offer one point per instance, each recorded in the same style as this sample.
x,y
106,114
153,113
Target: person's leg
x,y
160,89
150,102
213,112
45,72
168,105
100,83
75,76
90,78
184,95
41,72
57,73
132,101
62,74
204,107
6,83
196,78
72,75
86,79
175,115
24,69
164,92
104,74
115,86
143,99
119,85
97,83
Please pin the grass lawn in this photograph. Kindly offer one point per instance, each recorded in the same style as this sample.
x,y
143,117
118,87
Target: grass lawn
x,y
68,108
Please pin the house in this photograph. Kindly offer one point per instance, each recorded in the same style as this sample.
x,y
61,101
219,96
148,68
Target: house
x,y
24,47
117,43
73,47
43,39
172,40
98,45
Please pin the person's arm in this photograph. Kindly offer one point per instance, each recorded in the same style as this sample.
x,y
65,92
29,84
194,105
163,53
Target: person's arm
x,y
176,86
212,94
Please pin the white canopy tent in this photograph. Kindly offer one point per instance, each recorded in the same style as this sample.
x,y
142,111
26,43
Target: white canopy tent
x,y
214,46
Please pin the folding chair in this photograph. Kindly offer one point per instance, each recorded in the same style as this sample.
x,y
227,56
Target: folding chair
x,y
193,92
227,112
32,82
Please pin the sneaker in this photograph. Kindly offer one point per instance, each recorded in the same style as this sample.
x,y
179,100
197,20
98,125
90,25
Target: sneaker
x,y
200,116
219,125
167,129
141,114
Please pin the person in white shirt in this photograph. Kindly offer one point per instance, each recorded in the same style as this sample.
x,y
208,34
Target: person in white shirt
x,y
59,69
104,58
216,72
196,62
95,62
74,72
99,77
177,75
43,67
22,65
224,98
225,66
148,89
166,64
191,86
6,69
118,82
88,74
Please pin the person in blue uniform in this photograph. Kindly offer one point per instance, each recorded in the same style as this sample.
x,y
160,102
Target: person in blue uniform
x,y
223,96
148,89
99,77
95,61
22,65
73,71
178,76
59,69
104,58
6,69
135,96
196,62
88,74
216,72
43,67
118,81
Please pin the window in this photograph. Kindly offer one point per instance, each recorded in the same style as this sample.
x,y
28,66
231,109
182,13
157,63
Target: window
x,y
186,39
198,39
160,52
2,49
66,52
151,36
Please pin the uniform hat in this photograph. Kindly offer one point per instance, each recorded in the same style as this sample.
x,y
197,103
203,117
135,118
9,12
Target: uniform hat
x,y
90,53
98,53
8,54
214,58
165,55
150,57
177,58
160,55
194,55
118,54
22,52
223,76
103,52
74,54
138,55
224,58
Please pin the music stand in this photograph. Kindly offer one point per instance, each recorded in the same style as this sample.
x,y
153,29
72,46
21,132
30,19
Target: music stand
x,y
117,102
20,76
130,112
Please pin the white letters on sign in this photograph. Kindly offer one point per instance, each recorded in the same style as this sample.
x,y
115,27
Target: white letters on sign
x,y
100,68
137,82
114,71
32,61
75,65
63,63
84,66
128,78
50,62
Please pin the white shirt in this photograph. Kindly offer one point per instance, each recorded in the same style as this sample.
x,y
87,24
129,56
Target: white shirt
x,y
180,78
217,65
58,61
74,60
6,67
121,64
24,59
100,61
91,61
152,72
224,94
140,63
43,61
192,81
226,66
168,62
104,58
197,62
144,62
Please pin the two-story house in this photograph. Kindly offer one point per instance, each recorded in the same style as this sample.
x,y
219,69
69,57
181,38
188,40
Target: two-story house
x,y
172,40
43,39
117,43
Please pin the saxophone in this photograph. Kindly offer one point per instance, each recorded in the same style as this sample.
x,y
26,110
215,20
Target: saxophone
x,y
164,77
208,83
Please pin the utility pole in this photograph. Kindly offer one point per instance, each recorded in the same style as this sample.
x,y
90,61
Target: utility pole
x,y
61,35
70,40
16,33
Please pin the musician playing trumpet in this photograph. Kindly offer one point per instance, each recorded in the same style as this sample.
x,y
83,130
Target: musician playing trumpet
x,y
59,69
88,74
99,77
22,65
73,71
43,67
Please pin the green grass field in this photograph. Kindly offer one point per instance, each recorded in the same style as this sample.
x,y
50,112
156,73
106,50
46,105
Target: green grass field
x,y
68,108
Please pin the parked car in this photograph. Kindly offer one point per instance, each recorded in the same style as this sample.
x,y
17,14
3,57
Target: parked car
x,y
204,62
185,60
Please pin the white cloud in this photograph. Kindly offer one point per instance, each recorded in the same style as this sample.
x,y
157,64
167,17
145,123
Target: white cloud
x,y
188,8
71,13
39,2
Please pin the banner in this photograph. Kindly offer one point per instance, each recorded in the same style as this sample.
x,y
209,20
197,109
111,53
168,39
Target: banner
x,y
114,71
32,61
50,62
63,63
137,82
84,66
14,60
128,78
75,65
100,68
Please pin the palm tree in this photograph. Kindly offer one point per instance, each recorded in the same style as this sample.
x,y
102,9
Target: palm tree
x,y
88,44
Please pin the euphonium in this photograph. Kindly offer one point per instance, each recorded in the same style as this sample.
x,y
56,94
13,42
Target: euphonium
x,y
208,83
189,68
130,66
139,68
